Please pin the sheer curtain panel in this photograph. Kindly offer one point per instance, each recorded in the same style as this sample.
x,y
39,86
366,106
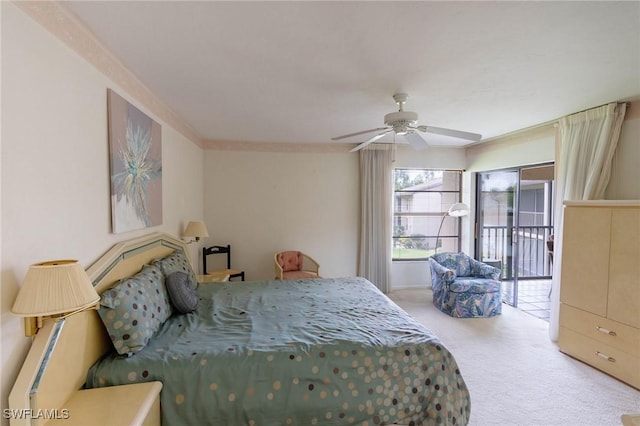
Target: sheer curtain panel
x,y
587,142
375,214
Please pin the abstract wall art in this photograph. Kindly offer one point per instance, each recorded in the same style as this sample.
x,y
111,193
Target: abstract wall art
x,y
135,157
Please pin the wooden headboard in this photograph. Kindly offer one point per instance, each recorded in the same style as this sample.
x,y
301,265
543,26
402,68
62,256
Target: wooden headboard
x,y
63,351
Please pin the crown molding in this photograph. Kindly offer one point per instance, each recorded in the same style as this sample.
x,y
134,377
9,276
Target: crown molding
x,y
63,25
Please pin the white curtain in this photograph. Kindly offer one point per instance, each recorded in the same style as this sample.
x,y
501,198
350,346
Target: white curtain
x,y
376,190
587,144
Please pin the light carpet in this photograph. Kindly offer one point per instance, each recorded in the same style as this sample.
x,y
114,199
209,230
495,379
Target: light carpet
x,y
516,375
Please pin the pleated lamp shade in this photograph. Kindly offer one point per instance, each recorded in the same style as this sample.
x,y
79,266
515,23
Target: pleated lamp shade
x,y
196,229
54,287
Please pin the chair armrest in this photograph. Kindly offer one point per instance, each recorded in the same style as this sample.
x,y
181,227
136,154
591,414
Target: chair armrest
x,y
309,264
480,269
445,274
278,269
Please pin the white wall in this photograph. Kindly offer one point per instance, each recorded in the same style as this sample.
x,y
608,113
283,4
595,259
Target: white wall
x,y
625,172
432,158
533,147
55,168
265,202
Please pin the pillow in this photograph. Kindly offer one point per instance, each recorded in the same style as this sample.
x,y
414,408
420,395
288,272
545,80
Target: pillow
x,y
134,309
183,296
177,262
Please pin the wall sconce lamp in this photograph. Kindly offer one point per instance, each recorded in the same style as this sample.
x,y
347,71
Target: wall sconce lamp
x,y
195,230
456,210
55,289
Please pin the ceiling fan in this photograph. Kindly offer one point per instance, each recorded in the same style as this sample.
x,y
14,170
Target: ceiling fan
x,y
403,123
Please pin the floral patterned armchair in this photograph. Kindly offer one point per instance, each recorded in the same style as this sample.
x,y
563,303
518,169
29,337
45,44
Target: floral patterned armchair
x,y
464,287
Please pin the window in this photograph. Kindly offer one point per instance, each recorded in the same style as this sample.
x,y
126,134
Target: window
x,y
420,200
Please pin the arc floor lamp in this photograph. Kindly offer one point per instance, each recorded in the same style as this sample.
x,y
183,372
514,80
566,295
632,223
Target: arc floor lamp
x,y
456,210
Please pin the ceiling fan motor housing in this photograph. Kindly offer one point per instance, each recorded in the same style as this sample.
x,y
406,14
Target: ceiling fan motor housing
x,y
401,121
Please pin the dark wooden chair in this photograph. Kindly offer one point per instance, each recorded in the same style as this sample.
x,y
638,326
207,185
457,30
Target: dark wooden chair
x,y
233,273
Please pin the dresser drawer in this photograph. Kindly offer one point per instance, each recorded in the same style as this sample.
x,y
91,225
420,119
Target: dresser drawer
x,y
614,334
612,361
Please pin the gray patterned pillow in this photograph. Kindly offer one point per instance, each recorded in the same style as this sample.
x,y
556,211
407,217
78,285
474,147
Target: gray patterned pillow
x,y
183,296
134,309
177,262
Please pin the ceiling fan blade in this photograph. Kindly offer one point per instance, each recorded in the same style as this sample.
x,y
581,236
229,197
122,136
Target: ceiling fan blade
x,y
416,141
359,133
450,132
371,140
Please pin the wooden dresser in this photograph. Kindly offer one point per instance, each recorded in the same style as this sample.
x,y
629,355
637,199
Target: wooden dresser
x,y
600,293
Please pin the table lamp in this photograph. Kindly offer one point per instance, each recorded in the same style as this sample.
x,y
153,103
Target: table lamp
x,y
195,230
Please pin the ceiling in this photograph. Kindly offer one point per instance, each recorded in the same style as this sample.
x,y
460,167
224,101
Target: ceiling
x,y
308,71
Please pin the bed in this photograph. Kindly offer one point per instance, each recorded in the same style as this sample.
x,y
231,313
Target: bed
x,y
303,352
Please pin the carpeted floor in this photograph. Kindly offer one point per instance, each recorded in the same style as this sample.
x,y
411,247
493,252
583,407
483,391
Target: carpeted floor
x,y
516,375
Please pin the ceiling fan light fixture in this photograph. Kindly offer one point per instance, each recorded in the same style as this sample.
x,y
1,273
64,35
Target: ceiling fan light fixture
x,y
404,123
401,121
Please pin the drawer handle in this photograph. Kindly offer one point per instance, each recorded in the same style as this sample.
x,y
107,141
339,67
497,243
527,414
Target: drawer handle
x,y
607,357
605,331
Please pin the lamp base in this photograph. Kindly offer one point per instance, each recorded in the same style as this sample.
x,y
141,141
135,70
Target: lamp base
x,y
438,236
31,325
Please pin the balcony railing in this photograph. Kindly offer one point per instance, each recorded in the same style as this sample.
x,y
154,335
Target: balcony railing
x,y
533,256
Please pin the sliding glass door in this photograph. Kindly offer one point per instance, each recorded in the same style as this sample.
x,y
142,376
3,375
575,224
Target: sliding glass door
x,y
514,223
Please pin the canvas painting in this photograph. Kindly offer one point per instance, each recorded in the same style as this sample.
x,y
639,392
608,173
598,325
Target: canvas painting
x,y
135,156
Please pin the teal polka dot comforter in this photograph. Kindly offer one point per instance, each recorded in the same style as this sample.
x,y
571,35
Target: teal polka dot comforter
x,y
297,352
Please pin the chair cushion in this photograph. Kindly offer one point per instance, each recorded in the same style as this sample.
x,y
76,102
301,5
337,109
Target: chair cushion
x,y
474,285
290,261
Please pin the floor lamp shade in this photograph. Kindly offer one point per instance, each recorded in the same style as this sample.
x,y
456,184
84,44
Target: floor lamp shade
x,y
456,210
55,287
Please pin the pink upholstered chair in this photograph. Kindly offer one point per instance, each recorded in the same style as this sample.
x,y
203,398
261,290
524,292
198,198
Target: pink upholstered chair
x,y
292,265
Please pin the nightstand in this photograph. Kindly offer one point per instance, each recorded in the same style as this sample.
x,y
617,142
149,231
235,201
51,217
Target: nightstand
x,y
137,404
